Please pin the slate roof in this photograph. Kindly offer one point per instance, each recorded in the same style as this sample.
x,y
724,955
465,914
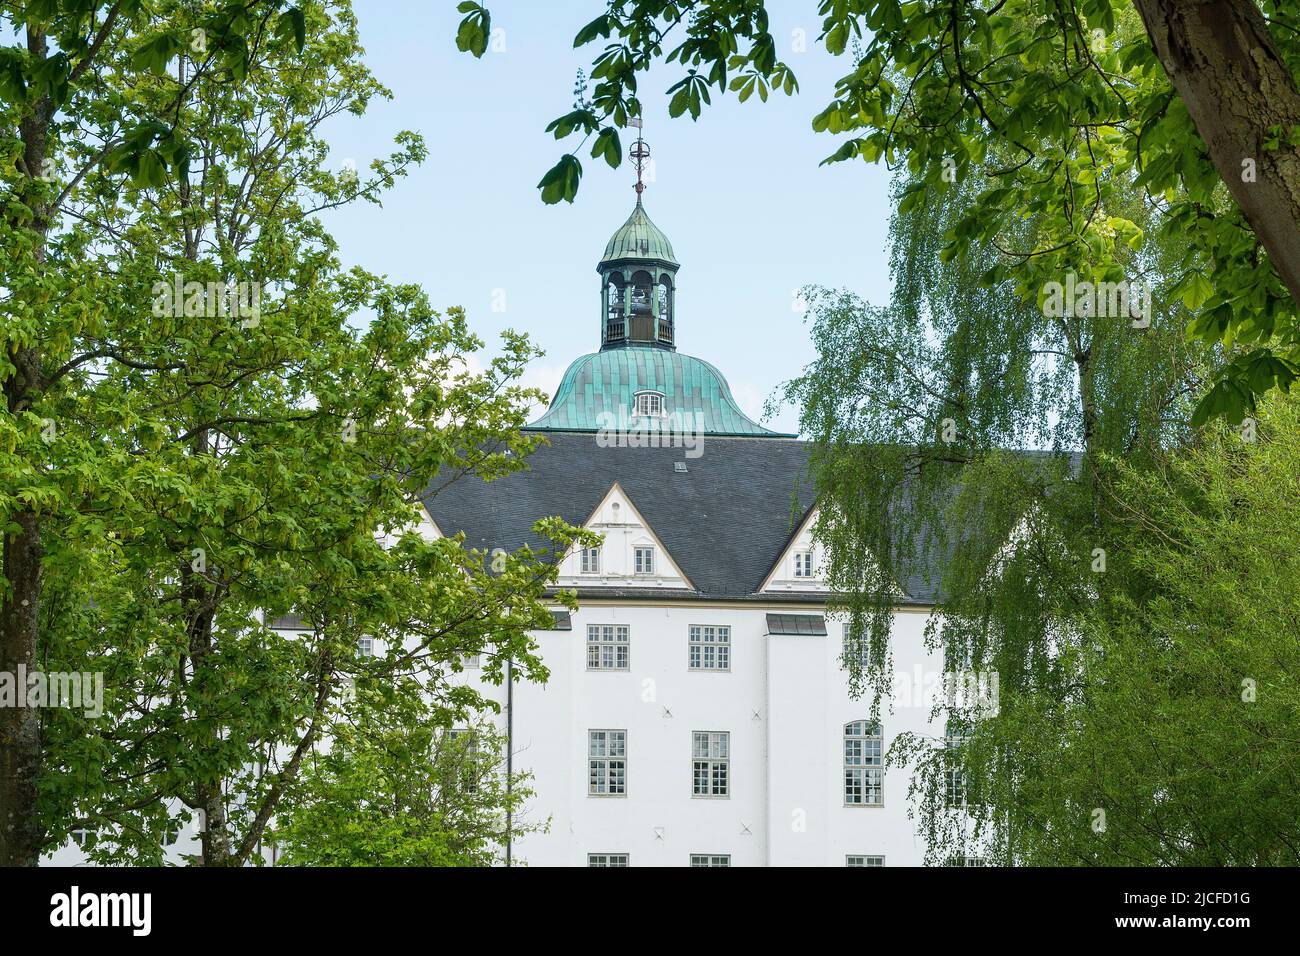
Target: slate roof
x,y
725,521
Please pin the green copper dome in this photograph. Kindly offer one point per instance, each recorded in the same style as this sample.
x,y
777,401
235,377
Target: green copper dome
x,y
599,390
638,238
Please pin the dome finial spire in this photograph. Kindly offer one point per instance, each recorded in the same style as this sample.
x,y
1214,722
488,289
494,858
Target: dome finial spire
x,y
640,152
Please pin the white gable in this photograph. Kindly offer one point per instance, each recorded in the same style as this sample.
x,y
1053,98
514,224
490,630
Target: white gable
x,y
788,574
625,532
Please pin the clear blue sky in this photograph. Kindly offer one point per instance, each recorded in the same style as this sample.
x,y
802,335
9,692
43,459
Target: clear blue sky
x,y
739,193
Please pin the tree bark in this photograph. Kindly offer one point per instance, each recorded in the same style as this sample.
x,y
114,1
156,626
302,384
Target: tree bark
x,y
20,727
1229,74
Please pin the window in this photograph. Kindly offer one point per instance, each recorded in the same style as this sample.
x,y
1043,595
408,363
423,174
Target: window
x,y
853,860
607,763
710,763
81,836
472,660
803,565
608,647
954,777
856,649
463,748
710,648
967,861
864,769
710,859
644,560
591,560
607,859
366,647
648,404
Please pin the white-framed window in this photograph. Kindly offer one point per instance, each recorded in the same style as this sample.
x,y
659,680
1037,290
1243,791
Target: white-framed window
x,y
607,763
710,859
803,564
366,647
643,560
954,777
81,836
471,660
864,767
607,859
591,560
710,763
609,647
857,859
710,648
648,404
967,861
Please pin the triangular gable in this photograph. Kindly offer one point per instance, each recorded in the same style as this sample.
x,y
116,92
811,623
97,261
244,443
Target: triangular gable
x,y
624,529
781,576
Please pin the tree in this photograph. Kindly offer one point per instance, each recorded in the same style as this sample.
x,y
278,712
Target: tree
x,y
225,442
1173,743
1055,106
398,789
52,294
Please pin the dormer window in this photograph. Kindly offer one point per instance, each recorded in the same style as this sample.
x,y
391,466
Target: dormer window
x,y
648,405
644,560
803,564
591,560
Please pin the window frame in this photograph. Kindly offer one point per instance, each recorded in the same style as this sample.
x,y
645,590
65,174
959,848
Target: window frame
x,y
711,764
648,567
651,397
622,639
589,560
864,857
608,858
609,758
857,769
721,649
710,859
803,564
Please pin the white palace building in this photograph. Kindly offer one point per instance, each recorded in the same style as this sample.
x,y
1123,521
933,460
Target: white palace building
x,y
698,712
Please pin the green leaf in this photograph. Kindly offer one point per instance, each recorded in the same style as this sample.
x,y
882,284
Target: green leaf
x,y
561,180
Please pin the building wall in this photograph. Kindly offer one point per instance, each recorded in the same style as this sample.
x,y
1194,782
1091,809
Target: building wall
x,y
784,702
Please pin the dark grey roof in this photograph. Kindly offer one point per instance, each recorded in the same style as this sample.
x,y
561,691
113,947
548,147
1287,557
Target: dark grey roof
x,y
810,625
725,521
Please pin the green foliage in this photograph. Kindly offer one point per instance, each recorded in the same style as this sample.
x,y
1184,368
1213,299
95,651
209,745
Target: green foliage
x,y
194,461
1171,740
397,788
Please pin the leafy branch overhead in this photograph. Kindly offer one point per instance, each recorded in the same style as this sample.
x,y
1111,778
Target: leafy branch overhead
x,y
1052,105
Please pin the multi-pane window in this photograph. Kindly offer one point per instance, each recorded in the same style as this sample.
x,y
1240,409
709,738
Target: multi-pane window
x,y
855,647
710,859
608,647
366,647
803,564
954,777
710,763
859,860
607,763
710,648
864,768
644,560
649,403
591,560
472,660
607,859
967,861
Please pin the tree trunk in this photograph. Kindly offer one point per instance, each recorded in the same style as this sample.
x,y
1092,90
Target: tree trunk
x,y
1232,79
20,727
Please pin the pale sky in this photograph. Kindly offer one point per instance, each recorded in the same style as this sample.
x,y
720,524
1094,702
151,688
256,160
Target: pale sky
x,y
750,214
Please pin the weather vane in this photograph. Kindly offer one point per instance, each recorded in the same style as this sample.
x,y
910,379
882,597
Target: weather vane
x,y
639,152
